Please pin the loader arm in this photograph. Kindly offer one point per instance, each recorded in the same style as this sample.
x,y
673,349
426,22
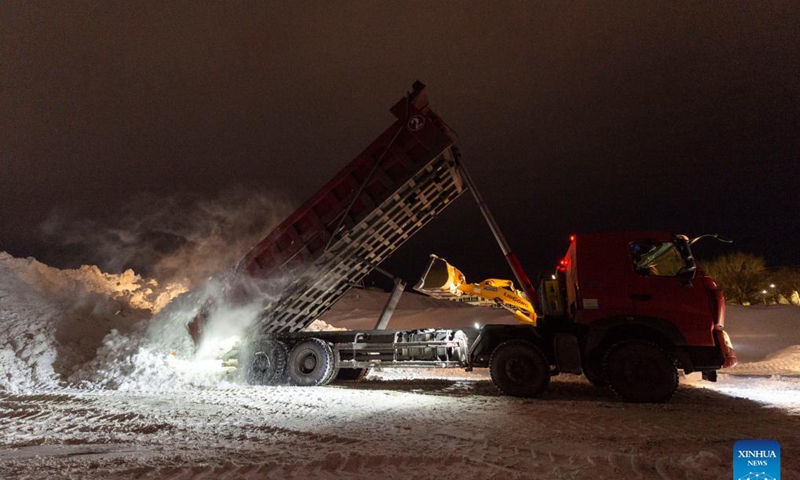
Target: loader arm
x,y
442,280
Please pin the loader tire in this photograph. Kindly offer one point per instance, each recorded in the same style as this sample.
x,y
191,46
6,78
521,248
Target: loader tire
x,y
519,369
264,362
641,372
351,374
311,363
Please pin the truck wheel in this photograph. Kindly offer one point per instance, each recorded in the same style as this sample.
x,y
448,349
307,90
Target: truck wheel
x,y
334,371
311,363
519,369
640,371
593,370
351,374
264,362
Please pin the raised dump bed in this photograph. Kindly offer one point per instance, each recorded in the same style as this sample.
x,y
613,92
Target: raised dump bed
x,y
407,176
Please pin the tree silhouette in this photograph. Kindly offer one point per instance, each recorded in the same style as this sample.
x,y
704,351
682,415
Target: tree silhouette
x,y
741,276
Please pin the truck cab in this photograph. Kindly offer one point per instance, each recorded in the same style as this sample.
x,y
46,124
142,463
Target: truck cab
x,y
645,287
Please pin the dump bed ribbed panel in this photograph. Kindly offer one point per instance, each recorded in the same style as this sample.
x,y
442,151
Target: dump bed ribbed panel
x,y
371,207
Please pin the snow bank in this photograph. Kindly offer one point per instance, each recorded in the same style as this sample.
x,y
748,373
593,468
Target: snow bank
x,y
782,362
27,335
758,331
90,329
53,321
127,289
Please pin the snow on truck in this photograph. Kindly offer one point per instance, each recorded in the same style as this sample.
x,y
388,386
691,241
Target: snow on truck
x,y
625,309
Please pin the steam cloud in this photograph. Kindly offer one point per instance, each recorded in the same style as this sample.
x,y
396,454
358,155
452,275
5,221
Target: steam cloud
x,y
182,237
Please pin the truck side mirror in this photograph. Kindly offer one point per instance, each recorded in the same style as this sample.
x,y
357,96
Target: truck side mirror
x,y
687,273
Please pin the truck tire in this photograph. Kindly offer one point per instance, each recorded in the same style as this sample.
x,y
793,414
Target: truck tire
x,y
519,369
640,371
351,374
593,370
311,363
334,371
264,362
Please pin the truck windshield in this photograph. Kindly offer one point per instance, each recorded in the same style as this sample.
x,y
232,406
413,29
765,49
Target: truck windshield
x,y
657,258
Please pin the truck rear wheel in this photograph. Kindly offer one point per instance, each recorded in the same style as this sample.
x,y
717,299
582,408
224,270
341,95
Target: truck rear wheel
x,y
334,371
640,371
519,369
264,362
311,363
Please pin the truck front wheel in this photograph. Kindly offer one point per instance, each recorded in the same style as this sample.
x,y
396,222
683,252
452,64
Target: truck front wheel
x,y
519,369
640,371
311,363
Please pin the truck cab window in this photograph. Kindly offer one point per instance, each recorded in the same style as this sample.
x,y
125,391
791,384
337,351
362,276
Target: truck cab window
x,y
657,258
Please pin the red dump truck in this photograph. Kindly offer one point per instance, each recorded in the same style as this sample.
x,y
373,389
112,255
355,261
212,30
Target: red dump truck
x,y
625,309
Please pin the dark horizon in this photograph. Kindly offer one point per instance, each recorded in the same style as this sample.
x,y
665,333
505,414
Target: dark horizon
x,y
572,119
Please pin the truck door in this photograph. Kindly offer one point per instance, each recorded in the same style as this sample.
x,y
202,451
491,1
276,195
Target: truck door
x,y
597,281
663,288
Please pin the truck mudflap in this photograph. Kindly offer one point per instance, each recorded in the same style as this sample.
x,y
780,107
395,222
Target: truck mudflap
x,y
490,336
708,358
725,346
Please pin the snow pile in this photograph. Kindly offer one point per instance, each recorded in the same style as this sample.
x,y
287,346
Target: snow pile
x,y
322,326
782,362
90,329
53,321
128,289
156,355
159,355
758,331
360,309
27,334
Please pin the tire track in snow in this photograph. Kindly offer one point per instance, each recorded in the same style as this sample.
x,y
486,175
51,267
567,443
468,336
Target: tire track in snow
x,y
334,432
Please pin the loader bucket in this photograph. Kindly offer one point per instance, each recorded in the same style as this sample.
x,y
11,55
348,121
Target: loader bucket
x,y
440,278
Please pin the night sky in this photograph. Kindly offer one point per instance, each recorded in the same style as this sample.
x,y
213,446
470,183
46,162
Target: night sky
x,y
573,117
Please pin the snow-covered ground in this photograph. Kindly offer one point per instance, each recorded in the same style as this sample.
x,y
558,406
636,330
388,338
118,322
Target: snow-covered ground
x,y
423,428
97,380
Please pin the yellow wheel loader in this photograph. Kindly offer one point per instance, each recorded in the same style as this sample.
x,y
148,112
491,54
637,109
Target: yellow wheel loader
x,y
444,281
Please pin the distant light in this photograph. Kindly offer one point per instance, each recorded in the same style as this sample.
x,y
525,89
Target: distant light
x,y
763,291
553,277
572,238
771,285
477,325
